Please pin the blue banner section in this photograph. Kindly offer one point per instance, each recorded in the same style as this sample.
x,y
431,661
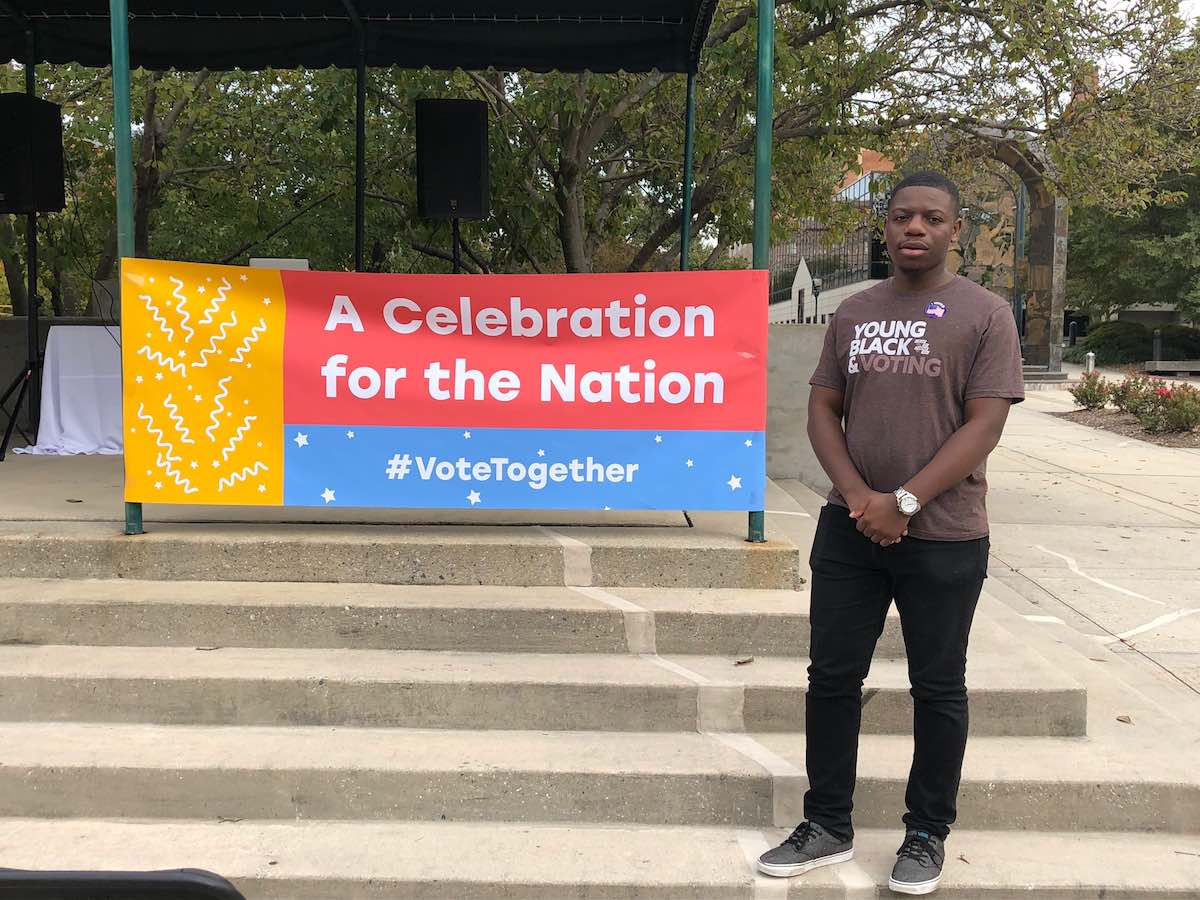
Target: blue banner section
x,y
502,468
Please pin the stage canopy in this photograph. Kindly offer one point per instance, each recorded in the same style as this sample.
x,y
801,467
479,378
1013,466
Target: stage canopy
x,y
595,35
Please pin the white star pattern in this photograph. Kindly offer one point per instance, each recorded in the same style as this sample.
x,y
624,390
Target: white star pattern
x,y
350,435
195,465
215,464
158,376
200,290
139,379
301,439
734,483
245,278
328,496
541,453
691,463
262,488
266,301
467,435
149,472
152,281
474,498
749,443
658,439
198,398
158,485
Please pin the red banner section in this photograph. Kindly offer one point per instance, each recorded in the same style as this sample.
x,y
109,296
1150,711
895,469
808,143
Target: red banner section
x,y
666,350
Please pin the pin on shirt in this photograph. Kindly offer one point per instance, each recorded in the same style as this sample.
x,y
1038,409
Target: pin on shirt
x,y
936,309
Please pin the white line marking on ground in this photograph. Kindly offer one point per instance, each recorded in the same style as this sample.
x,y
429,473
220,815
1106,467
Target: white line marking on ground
x,y
1166,619
1045,620
855,880
788,782
577,559
639,623
1074,567
754,845
787,512
765,757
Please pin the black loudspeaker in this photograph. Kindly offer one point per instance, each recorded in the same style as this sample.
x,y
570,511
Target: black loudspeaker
x,y
452,159
31,155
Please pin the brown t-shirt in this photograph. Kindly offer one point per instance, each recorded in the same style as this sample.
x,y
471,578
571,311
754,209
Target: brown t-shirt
x,y
907,363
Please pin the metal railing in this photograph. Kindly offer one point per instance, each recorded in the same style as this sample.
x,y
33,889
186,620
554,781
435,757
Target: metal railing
x,y
175,884
856,256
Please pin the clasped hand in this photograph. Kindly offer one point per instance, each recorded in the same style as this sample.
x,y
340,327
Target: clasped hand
x,y
878,518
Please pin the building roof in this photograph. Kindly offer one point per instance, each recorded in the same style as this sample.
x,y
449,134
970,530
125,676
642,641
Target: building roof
x,y
585,35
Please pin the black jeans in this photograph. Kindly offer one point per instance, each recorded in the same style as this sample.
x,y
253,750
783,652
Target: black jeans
x,y
936,585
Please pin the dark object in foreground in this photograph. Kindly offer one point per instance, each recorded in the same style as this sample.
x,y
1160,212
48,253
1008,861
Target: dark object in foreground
x,y
174,884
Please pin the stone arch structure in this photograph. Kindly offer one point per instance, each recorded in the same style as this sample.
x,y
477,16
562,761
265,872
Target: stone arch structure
x,y
1043,272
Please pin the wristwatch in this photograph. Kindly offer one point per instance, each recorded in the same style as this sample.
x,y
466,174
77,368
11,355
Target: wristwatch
x,y
907,503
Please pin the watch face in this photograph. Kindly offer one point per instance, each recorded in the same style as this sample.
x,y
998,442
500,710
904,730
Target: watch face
x,y
909,506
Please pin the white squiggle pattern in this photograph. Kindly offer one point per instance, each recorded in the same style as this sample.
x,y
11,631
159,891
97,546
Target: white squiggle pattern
x,y
168,456
156,356
174,475
237,477
237,438
158,316
215,339
211,311
252,338
185,315
215,415
185,434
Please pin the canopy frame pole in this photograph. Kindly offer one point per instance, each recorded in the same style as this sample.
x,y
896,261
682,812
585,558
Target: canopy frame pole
x,y
118,15
763,128
360,135
689,150
32,302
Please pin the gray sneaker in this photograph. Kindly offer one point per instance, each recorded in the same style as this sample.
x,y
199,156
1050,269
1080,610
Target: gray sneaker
x,y
919,867
808,847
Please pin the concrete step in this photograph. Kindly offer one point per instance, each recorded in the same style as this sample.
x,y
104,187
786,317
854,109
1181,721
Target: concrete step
x,y
410,554
148,771
406,617
449,861
1012,693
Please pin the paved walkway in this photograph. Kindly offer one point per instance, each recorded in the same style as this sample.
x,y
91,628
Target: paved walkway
x,y
1093,532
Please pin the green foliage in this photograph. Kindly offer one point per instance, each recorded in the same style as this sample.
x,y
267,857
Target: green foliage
x,y
1149,256
1173,409
1136,394
1092,392
1118,343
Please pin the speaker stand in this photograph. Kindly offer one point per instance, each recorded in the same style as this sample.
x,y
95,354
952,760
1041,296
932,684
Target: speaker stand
x,y
456,238
21,385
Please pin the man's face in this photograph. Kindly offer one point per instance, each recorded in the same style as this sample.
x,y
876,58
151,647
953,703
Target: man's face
x,y
921,225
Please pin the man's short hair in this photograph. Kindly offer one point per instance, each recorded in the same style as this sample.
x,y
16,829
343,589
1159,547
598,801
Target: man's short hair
x,y
929,179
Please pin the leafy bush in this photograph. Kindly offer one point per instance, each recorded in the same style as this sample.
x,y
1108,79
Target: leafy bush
x,y
1136,394
1092,392
1173,409
1122,343
1180,342
1118,343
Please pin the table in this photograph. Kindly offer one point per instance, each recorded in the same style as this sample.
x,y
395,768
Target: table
x,y
81,392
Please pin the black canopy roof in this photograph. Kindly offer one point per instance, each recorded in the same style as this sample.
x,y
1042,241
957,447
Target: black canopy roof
x,y
594,35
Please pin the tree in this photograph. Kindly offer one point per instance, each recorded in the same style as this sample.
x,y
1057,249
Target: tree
x,y
1152,256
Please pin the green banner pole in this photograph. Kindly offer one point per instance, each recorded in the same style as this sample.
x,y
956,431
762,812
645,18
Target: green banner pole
x,y
763,127
689,151
118,11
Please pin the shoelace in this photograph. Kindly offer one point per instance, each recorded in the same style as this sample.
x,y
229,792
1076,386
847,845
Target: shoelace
x,y
802,835
920,849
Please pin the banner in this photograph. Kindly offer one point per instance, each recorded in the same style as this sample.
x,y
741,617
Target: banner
x,y
616,391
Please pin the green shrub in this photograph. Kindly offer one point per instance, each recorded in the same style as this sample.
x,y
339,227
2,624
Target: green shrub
x,y
1118,343
1180,342
1092,392
1076,354
1136,394
1174,409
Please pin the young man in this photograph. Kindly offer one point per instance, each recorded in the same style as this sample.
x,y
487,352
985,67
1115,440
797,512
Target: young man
x,y
922,369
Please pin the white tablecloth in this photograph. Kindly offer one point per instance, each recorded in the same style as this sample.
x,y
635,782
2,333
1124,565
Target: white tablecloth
x,y
81,392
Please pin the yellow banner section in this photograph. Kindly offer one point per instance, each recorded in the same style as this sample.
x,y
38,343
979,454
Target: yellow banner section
x,y
202,354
